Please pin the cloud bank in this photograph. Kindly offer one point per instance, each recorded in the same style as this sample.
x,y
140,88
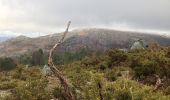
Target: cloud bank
x,y
46,16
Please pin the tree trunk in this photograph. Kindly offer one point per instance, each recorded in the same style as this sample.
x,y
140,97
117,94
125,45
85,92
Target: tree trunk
x,y
57,73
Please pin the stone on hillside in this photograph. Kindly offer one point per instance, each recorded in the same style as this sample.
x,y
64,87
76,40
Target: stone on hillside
x,y
138,45
46,70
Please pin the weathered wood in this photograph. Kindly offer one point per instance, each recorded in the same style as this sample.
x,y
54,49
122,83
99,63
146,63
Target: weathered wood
x,y
57,73
158,82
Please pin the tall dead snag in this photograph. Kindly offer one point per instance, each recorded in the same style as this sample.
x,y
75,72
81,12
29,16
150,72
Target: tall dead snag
x,y
56,72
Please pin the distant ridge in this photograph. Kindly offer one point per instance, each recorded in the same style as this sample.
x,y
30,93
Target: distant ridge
x,y
94,39
2,39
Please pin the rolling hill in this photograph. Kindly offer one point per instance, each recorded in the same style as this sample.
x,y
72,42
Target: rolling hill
x,y
93,39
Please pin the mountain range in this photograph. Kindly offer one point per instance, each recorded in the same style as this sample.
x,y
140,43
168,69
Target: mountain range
x,y
93,39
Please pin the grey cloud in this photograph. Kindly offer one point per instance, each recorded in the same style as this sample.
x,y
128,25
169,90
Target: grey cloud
x,y
51,15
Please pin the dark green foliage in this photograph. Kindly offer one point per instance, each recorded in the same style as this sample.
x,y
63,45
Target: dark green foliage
x,y
111,75
117,56
59,93
68,57
38,57
90,61
25,59
168,52
78,76
58,59
148,68
123,95
7,64
103,65
146,63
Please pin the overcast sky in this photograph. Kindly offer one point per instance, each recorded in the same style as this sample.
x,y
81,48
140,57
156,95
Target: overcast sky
x,y
46,16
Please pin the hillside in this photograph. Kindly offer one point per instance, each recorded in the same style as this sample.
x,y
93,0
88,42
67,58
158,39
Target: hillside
x,y
115,75
4,38
94,39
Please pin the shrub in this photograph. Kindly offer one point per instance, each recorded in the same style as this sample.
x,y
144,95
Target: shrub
x,y
168,53
132,89
103,65
123,95
147,63
7,85
32,89
111,75
109,91
59,93
68,57
7,64
25,59
19,73
148,68
117,56
22,73
167,90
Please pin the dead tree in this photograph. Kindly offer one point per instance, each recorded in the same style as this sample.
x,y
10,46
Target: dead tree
x,y
158,82
57,73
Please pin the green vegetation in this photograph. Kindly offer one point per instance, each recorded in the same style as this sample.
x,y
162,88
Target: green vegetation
x,y
25,84
36,58
115,75
7,64
39,58
68,57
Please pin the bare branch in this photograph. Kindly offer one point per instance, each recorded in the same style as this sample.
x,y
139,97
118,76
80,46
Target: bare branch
x,y
158,82
56,72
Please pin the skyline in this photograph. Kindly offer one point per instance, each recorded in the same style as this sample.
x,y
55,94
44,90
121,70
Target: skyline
x,y
31,17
